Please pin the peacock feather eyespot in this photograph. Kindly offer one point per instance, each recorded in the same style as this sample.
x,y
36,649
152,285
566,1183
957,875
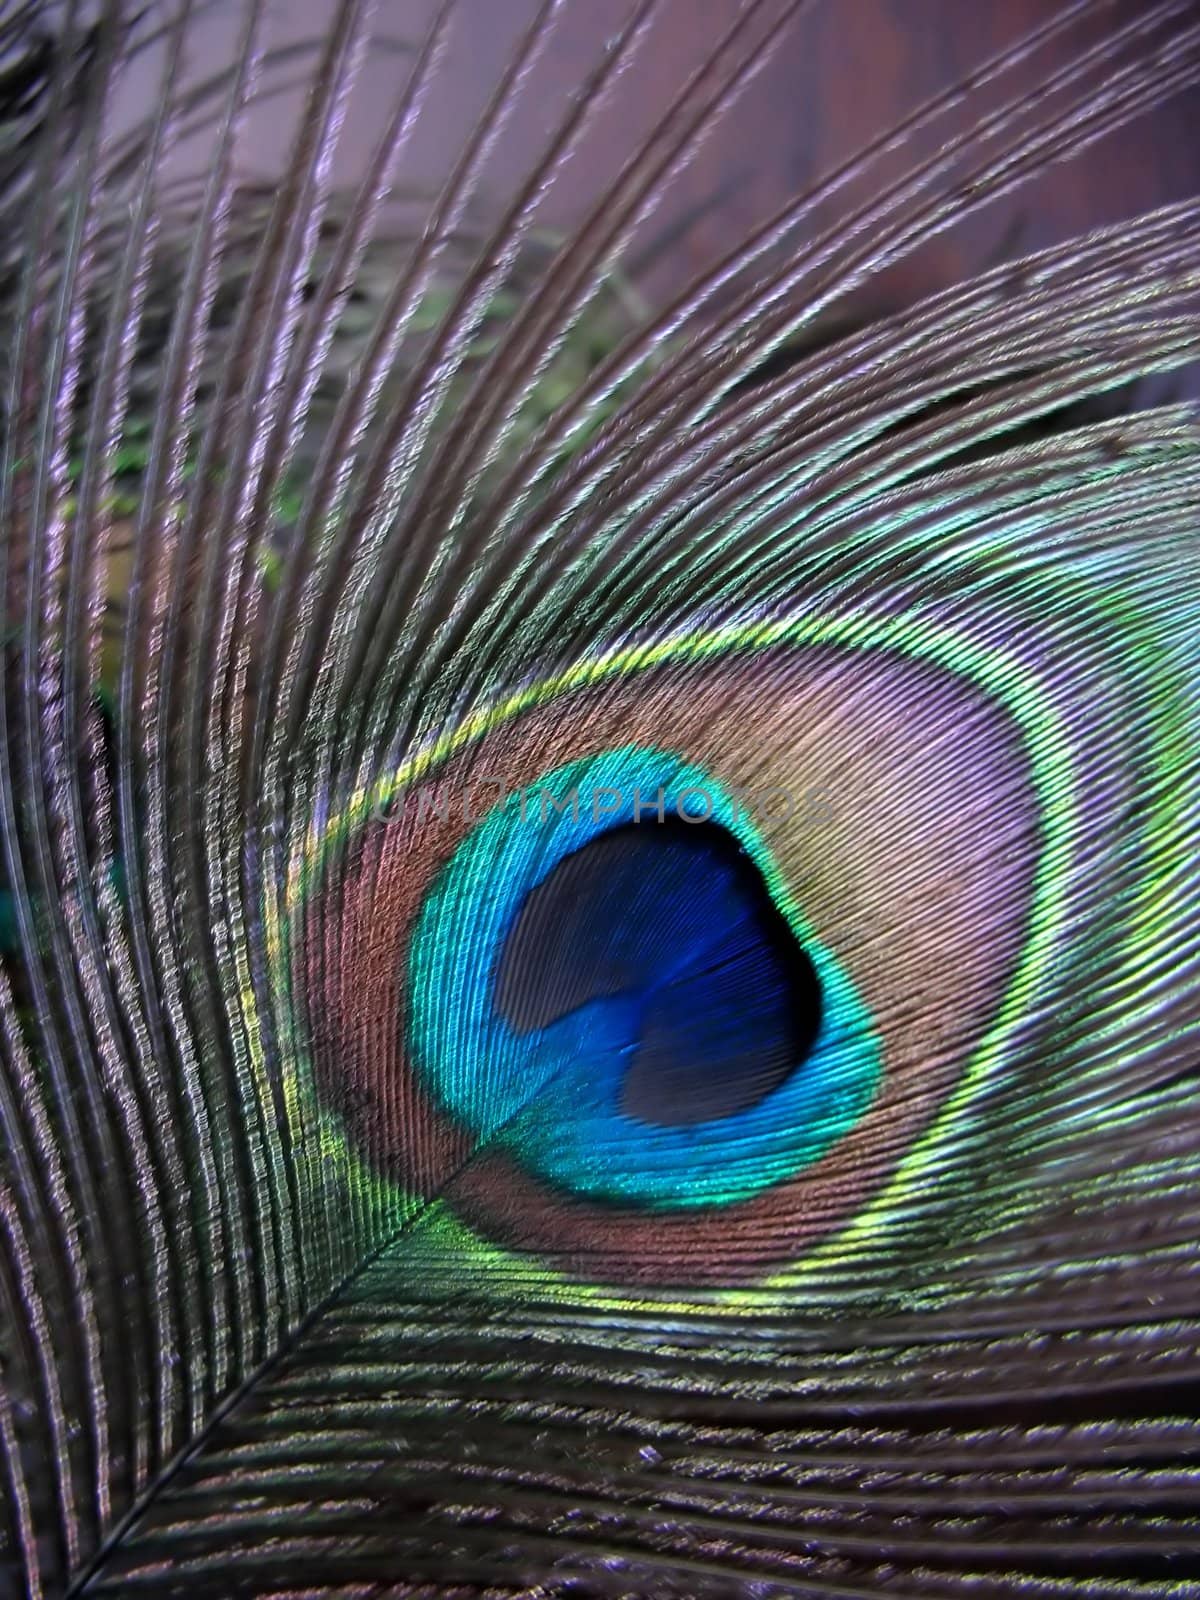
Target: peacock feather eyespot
x,y
598,862
903,1035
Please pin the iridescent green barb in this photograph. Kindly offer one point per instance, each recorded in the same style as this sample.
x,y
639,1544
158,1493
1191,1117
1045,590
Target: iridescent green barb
x,y
598,941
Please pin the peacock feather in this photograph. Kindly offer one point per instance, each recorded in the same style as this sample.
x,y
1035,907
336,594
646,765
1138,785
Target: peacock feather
x,y
600,886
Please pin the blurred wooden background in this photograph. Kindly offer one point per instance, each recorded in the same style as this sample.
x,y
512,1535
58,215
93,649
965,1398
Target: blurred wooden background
x,y
843,72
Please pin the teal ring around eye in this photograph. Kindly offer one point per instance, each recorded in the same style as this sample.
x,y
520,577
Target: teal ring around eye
x,y
550,1098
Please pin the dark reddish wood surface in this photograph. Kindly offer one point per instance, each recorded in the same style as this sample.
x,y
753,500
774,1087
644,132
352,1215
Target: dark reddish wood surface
x,y
844,72
847,70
